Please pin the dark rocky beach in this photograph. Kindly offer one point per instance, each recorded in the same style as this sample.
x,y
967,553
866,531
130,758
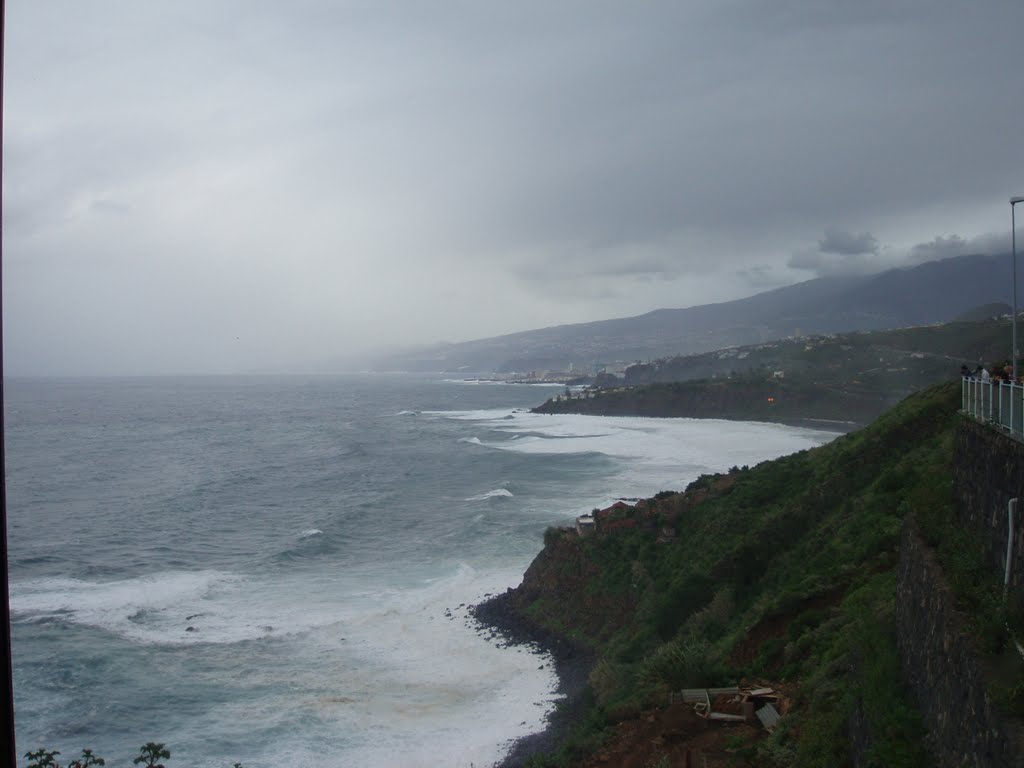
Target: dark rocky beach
x,y
573,663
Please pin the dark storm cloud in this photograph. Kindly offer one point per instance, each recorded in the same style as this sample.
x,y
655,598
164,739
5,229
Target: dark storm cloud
x,y
942,247
948,246
843,243
841,252
844,252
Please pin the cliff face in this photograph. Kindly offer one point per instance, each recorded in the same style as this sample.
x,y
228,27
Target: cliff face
x,y
943,667
951,610
562,589
988,471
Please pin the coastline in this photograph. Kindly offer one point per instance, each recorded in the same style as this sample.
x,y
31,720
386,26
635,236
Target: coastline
x,y
828,425
572,661
498,618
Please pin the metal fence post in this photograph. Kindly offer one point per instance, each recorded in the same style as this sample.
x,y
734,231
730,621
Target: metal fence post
x,y
1020,408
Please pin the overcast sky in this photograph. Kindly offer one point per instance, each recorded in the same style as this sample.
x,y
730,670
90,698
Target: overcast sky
x,y
222,185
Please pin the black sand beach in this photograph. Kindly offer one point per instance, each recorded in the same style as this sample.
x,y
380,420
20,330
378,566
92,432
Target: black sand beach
x,y
572,665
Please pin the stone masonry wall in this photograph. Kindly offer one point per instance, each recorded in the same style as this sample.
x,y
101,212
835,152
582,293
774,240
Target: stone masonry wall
x,y
942,668
988,471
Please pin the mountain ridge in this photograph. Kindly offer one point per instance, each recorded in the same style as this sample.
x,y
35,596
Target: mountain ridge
x,y
931,292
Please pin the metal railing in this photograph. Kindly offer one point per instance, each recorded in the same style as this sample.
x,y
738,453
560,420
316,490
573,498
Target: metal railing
x,y
999,403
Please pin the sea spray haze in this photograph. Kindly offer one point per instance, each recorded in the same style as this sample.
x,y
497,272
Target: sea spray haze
x,y
275,570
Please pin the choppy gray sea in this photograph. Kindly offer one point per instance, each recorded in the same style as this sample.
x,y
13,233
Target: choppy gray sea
x,y
275,570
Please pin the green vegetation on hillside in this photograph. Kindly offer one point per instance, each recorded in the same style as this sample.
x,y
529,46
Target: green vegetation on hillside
x,y
895,358
784,572
849,377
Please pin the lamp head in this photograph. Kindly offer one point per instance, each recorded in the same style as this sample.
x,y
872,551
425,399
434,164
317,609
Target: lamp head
x,y
1015,200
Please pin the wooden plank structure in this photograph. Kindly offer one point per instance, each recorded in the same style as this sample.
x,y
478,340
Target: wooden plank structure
x,y
753,702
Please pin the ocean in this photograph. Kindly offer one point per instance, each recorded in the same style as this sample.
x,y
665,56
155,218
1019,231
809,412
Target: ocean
x,y
276,570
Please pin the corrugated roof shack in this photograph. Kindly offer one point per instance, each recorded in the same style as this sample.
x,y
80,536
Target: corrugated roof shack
x,y
586,525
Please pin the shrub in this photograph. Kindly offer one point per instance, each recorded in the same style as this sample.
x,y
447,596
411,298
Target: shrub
x,y
552,535
150,753
684,662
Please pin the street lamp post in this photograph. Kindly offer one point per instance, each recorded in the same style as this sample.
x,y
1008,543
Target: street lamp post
x,y
1013,247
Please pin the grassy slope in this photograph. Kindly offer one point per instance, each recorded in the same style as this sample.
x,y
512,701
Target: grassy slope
x,y
785,571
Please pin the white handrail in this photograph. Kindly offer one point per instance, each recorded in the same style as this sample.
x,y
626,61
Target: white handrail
x,y
979,398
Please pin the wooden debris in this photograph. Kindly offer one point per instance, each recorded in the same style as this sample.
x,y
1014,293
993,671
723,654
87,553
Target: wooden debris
x,y
725,717
748,703
769,717
690,695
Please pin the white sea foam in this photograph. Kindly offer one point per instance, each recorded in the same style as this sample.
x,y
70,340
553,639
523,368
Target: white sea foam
x,y
653,454
422,668
405,675
497,493
471,440
310,532
477,415
135,608
176,608
401,671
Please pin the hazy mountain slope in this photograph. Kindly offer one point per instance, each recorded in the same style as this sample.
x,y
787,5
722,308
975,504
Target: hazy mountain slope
x,y
932,292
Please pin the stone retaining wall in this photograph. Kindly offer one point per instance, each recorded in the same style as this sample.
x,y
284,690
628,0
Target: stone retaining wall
x,y
942,668
988,471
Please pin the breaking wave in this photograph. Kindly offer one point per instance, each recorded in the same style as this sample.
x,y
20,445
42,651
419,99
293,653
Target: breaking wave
x,y
497,493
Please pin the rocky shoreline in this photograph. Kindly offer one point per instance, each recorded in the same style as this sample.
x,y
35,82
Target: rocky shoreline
x,y
573,663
